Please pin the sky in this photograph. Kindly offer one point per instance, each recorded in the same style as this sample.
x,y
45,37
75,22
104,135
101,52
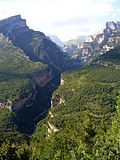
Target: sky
x,y
67,19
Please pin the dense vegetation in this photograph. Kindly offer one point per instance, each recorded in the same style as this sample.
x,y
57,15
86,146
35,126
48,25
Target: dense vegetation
x,y
87,120
16,73
93,88
75,141
84,118
16,79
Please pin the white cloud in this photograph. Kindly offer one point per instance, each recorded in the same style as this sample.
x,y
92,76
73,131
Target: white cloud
x,y
65,18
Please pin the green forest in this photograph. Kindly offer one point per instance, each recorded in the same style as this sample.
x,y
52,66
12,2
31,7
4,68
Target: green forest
x,y
16,72
86,120
53,106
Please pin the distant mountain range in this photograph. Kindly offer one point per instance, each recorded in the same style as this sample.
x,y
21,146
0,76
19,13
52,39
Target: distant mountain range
x,y
71,45
95,45
55,39
82,37
47,114
87,48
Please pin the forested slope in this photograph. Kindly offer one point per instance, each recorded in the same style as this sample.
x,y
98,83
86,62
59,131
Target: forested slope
x,y
82,112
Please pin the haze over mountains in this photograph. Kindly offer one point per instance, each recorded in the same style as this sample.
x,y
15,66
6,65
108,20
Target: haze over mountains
x,y
48,114
55,39
98,44
86,48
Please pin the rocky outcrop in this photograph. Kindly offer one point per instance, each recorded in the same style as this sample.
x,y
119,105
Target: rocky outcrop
x,y
35,44
89,38
12,23
52,128
24,102
100,39
51,115
62,82
57,100
61,100
112,25
44,79
6,104
108,38
4,41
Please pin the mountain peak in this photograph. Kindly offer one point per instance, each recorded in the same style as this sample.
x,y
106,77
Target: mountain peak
x,y
112,25
11,19
9,24
14,17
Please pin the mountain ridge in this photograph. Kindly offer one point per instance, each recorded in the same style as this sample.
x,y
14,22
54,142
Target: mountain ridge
x,y
48,115
34,43
30,70
98,44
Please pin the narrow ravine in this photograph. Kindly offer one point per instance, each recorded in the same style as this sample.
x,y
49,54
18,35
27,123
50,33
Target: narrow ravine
x,y
28,117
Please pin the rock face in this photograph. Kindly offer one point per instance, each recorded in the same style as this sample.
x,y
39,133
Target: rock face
x,y
4,41
6,104
112,25
41,81
38,61
52,128
28,101
70,46
12,23
106,39
35,44
89,38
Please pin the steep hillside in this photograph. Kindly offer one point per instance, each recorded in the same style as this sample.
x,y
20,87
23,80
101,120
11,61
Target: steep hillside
x,y
17,72
111,57
46,115
100,43
93,89
82,123
19,77
35,44
30,66
81,112
72,45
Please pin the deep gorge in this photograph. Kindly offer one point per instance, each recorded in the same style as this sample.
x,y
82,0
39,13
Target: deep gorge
x,y
27,117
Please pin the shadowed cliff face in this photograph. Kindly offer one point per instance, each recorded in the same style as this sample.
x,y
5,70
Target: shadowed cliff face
x,y
28,101
33,101
36,107
12,23
35,44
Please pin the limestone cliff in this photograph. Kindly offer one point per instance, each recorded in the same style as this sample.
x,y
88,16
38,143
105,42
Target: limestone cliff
x,y
103,41
56,98
4,41
89,38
